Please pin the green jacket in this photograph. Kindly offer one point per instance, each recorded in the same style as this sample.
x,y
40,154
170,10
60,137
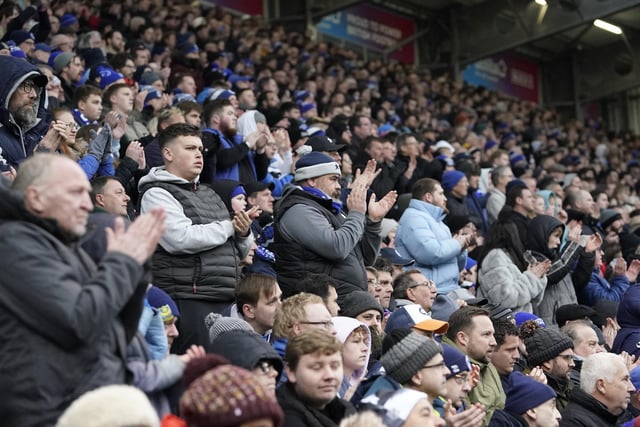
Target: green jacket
x,y
489,390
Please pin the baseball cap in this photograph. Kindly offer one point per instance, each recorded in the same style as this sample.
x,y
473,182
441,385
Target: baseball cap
x,y
394,257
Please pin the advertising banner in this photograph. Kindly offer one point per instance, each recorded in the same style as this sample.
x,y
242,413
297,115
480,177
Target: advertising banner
x,y
249,7
372,27
507,73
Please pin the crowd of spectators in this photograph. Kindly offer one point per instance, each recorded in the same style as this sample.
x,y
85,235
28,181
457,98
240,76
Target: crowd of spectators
x,y
250,227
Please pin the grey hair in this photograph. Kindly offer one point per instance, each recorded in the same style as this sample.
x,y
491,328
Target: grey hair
x,y
34,170
599,366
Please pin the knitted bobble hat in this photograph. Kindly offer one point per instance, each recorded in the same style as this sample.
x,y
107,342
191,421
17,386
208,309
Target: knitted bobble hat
x,y
545,344
217,324
408,356
228,396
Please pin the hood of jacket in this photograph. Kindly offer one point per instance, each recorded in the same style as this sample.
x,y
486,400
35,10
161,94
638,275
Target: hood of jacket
x,y
14,72
344,327
160,174
629,309
539,230
246,349
224,188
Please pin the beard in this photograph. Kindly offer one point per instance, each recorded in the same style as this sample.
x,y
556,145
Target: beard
x,y
26,116
228,131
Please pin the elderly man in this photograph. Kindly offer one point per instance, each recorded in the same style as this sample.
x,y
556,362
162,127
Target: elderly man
x,y
603,395
313,236
65,323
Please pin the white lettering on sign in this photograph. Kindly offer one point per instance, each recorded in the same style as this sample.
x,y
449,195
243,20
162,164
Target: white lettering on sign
x,y
497,68
374,31
522,78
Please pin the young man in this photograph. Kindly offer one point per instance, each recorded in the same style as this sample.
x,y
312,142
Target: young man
x,y
552,351
362,306
471,331
506,352
258,297
192,112
422,235
88,105
120,98
416,362
314,368
202,241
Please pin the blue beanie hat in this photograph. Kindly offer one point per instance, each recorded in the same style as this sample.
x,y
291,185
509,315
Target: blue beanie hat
x,y
153,94
450,179
307,107
67,20
162,301
525,393
522,316
470,263
455,360
108,76
238,191
490,144
19,36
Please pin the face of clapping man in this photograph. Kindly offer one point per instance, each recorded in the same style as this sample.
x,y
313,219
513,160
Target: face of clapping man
x,y
61,193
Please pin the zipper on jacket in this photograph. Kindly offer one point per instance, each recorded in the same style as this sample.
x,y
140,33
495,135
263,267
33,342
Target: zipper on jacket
x,y
197,269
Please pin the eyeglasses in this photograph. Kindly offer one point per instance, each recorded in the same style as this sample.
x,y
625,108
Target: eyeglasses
x,y
72,125
429,284
566,357
437,365
265,366
460,379
27,86
327,325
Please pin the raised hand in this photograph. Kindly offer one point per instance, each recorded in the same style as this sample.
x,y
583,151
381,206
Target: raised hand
x,y
538,374
540,269
54,137
140,240
357,200
575,228
242,221
633,270
620,267
379,208
135,152
593,243
368,175
473,416
193,352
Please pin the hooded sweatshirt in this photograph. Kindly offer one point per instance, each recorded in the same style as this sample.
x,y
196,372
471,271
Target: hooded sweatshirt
x,y
17,143
199,255
628,338
344,327
559,290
